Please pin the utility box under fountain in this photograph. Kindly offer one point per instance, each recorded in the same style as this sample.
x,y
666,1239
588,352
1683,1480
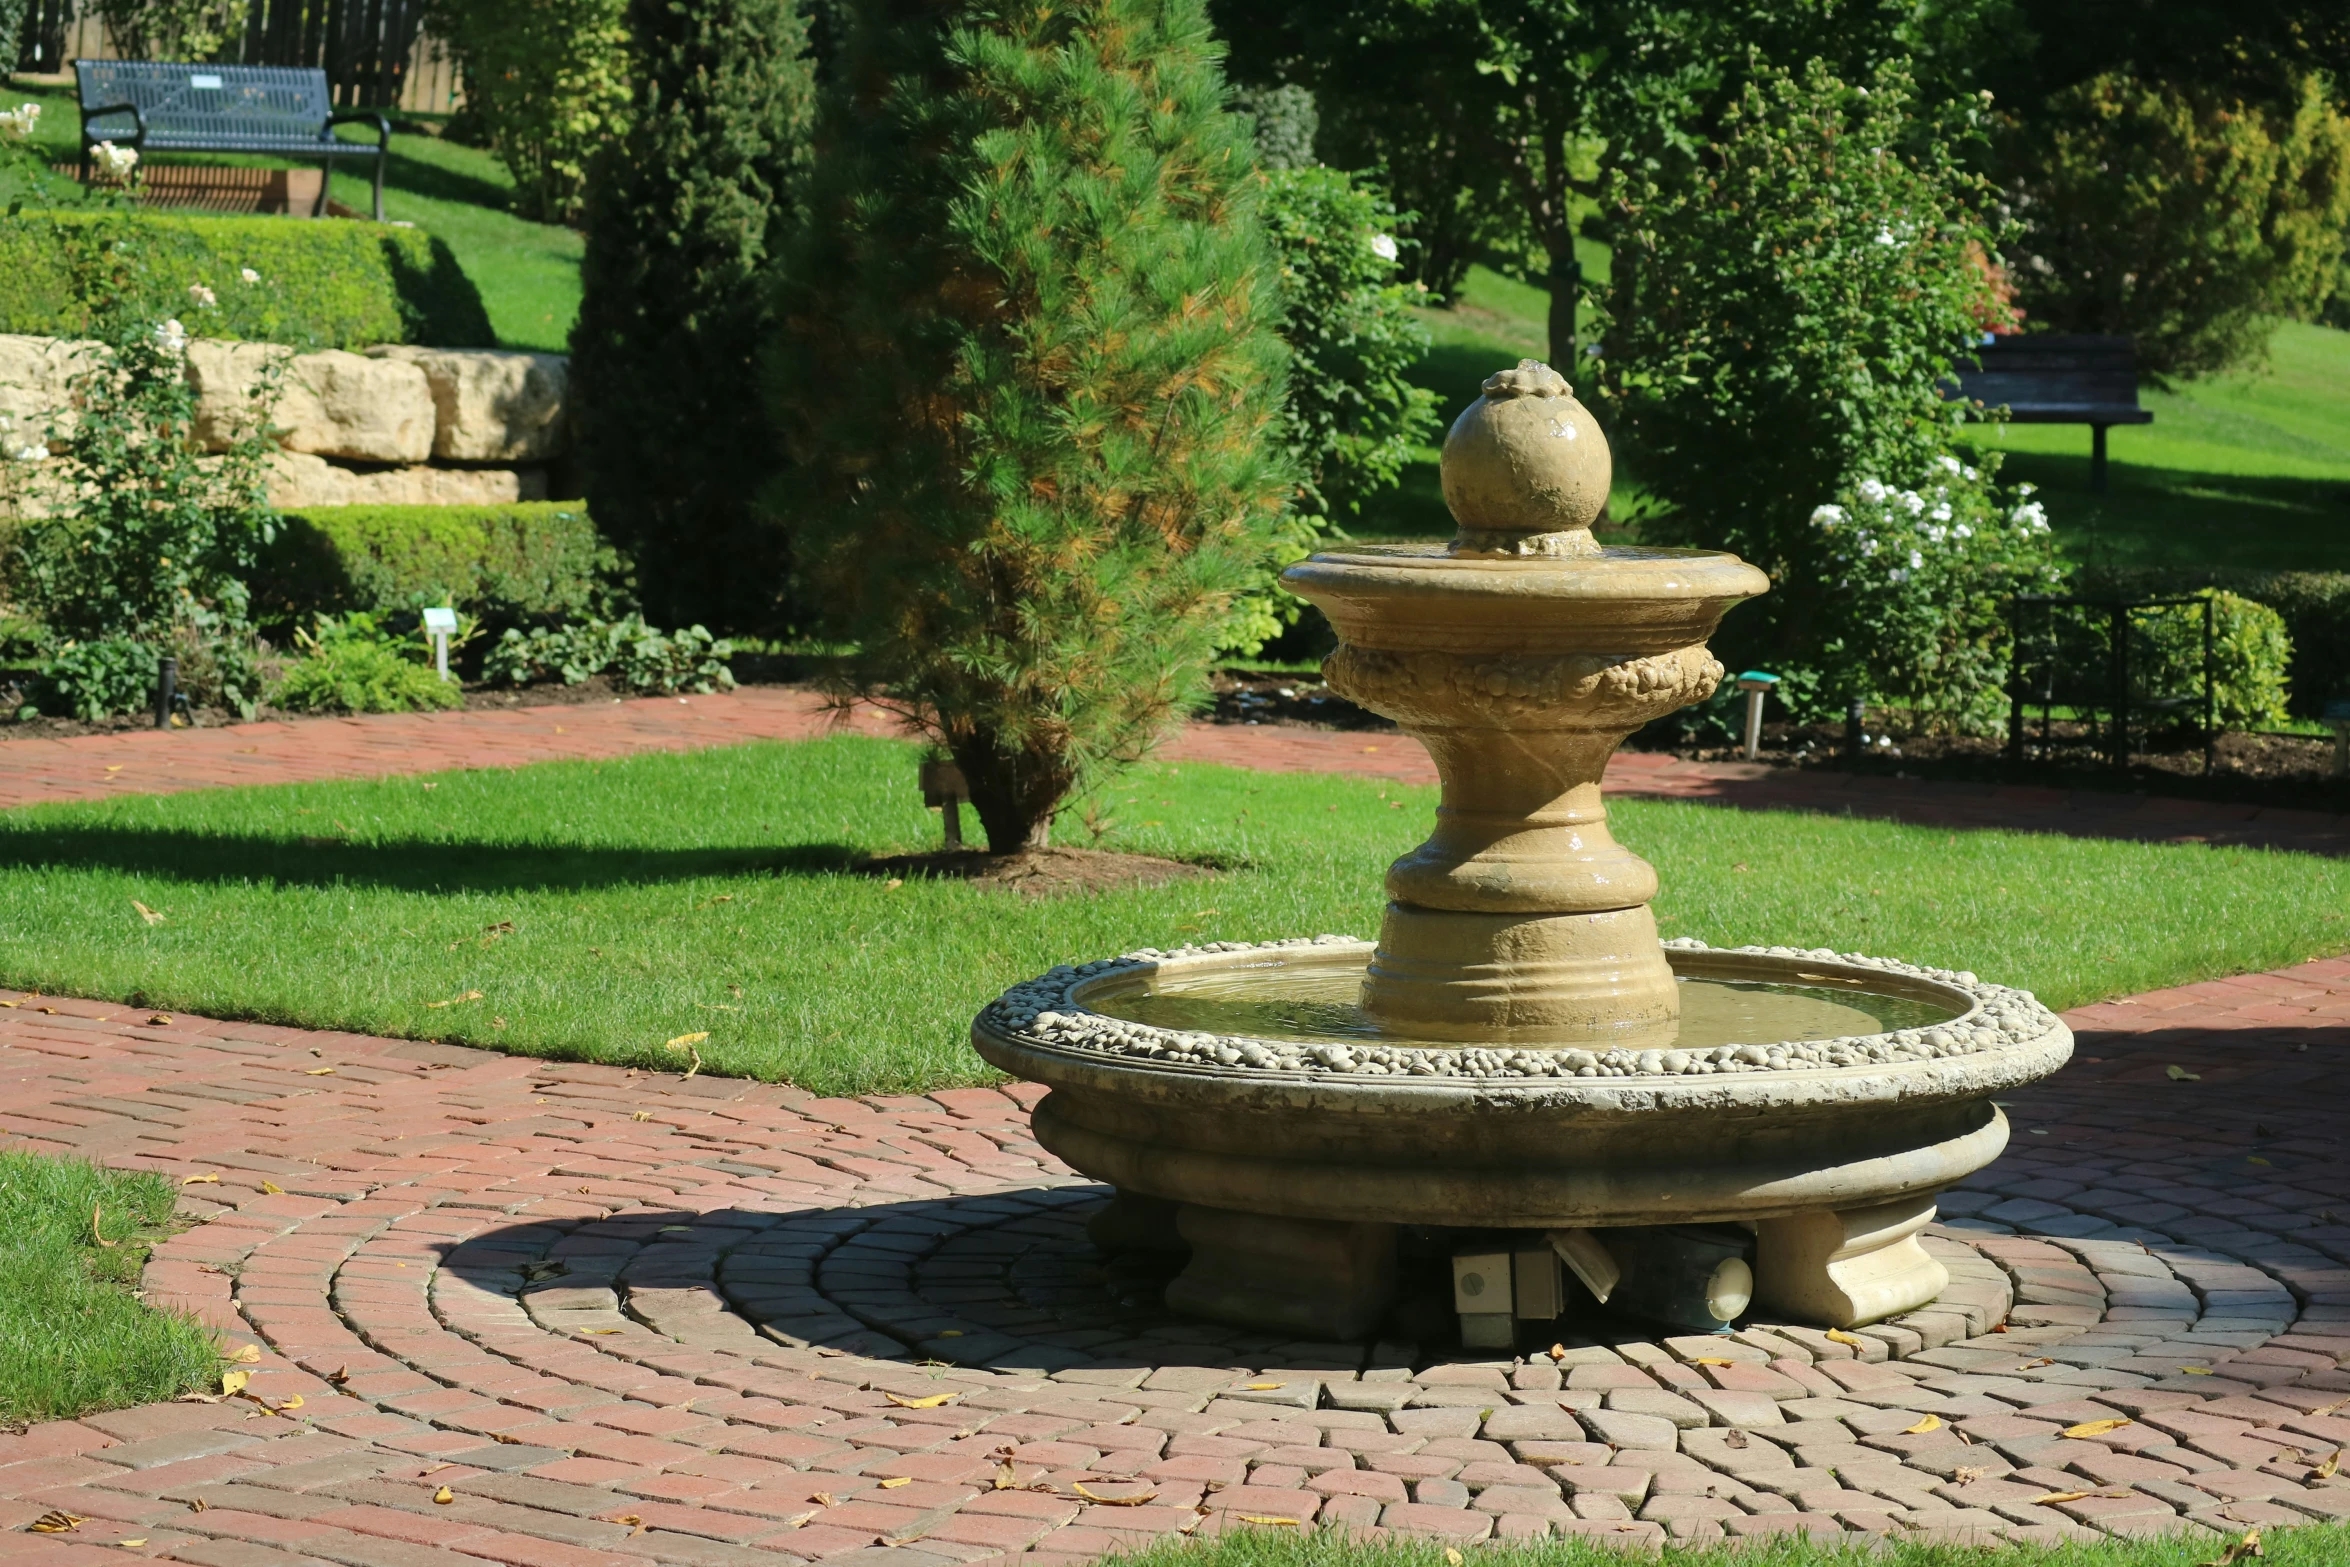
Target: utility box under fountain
x,y
1518,1055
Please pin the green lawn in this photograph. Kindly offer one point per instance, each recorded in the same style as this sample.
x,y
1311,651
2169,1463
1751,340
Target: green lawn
x,y
2248,470
2314,1545
528,273
602,909
73,1336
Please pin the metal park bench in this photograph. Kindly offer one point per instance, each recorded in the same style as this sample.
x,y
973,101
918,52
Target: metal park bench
x,y
282,110
2060,378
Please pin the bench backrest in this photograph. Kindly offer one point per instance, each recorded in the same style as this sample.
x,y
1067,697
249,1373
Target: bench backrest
x,y
215,107
2054,370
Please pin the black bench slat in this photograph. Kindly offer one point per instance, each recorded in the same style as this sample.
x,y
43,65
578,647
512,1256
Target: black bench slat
x,y
169,107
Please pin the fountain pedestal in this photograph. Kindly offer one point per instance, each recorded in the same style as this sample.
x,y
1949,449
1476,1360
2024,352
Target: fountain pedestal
x,y
1522,1061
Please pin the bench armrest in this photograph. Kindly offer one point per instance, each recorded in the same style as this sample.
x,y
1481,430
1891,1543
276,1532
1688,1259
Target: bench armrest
x,y
138,119
383,126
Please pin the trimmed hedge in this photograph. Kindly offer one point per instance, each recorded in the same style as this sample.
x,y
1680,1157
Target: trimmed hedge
x,y
2315,606
334,283
535,562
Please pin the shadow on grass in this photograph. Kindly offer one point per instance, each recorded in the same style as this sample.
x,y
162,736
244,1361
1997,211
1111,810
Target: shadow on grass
x,y
2173,517
409,865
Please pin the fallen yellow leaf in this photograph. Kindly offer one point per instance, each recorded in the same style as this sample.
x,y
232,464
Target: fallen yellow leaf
x,y
1839,1336
160,1017
293,1401
56,1523
197,1504
1558,1352
320,1071
132,1544
1453,1558
950,1332
201,1180
683,1040
1265,1387
932,1402
272,1188
98,1214
642,1115
894,1481
2325,1471
444,1496
821,1498
1967,1474
2088,1428
2053,1497
233,1382
245,1355
2179,1074
1114,1501
1277,1523
471,995
598,1332
1928,1423
146,913
2198,1371
2238,1550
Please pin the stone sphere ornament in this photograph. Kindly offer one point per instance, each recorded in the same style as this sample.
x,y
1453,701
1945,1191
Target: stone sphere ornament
x,y
1526,470
1518,1051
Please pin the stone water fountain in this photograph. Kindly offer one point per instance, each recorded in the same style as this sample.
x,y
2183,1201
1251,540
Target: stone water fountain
x,y
1519,1069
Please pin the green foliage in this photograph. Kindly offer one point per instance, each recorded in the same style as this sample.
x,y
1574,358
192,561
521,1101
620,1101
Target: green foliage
x,y
89,681
1032,370
2250,653
1918,582
1792,313
74,1336
636,656
315,285
1353,416
354,663
144,538
171,29
536,561
2313,608
2180,213
1283,121
548,79
685,213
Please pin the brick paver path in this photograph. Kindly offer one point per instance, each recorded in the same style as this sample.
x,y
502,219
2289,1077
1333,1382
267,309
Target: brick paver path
x,y
96,766
619,1319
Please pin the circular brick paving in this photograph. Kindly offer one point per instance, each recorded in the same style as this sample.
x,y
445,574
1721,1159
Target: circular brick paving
x,y
626,1318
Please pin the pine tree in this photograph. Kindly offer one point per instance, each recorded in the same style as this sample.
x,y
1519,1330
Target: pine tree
x,y
1032,369
686,214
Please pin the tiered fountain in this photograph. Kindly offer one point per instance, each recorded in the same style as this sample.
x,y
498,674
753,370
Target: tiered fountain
x,y
1519,1053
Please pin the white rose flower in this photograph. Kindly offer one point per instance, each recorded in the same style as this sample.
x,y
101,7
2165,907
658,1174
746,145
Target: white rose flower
x,y
171,337
1826,516
1872,492
114,163
1383,246
1914,501
1962,531
1950,464
1942,512
2031,514
17,124
248,274
203,296
1916,560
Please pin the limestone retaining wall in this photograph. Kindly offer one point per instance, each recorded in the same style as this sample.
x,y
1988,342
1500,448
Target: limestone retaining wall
x,y
396,425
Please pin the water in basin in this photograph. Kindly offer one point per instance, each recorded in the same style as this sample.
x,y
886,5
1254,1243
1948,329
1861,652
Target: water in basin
x,y
1316,1003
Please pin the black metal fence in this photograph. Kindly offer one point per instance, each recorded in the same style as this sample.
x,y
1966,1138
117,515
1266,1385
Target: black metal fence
x,y
366,47
2096,660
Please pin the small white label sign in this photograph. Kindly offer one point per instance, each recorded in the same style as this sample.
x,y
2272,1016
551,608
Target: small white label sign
x,y
212,82
441,620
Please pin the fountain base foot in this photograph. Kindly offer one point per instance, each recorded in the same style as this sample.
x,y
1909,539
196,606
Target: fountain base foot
x,y
1317,1278
1841,1269
1135,1222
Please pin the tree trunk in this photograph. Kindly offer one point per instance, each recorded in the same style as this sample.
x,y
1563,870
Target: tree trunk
x,y
1566,291
1015,793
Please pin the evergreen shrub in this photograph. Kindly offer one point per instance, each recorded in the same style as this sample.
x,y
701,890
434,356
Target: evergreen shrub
x,y
531,562
330,284
2251,651
355,664
547,81
1032,377
686,211
2314,607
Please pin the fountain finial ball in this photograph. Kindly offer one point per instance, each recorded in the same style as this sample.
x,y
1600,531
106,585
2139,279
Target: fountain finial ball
x,y
1526,469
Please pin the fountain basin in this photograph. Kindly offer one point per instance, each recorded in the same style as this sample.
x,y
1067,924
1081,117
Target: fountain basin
x,y
1833,1148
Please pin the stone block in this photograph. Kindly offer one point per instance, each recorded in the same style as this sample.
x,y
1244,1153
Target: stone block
x,y
298,479
330,404
490,406
33,376
1620,1428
